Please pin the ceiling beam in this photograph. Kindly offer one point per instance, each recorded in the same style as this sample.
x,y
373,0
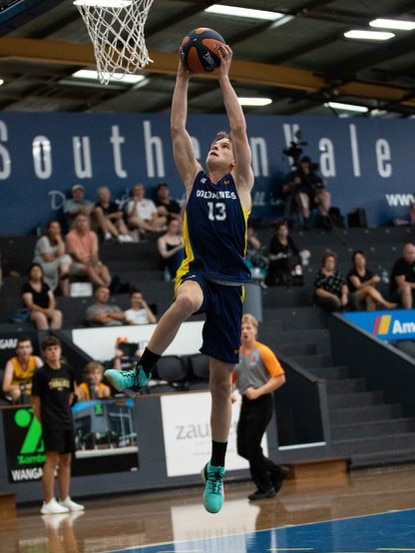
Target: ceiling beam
x,y
62,53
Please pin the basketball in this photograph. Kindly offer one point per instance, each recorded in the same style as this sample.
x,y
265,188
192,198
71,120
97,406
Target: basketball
x,y
199,50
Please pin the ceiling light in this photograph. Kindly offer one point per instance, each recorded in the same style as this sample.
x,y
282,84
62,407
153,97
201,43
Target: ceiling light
x,y
346,107
244,12
393,24
90,74
369,35
254,101
104,3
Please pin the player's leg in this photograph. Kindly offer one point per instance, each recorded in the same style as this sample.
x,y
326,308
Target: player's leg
x,y
189,299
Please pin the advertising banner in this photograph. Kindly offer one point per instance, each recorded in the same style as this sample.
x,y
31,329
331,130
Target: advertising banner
x,y
104,433
366,162
398,324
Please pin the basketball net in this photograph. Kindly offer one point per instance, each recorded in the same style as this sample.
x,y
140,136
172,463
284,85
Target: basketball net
x,y
116,29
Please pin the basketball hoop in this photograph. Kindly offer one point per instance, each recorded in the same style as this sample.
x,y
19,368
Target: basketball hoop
x,y
116,29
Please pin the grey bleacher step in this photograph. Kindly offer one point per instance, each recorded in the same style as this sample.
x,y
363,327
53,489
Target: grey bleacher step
x,y
333,372
376,444
295,318
358,399
346,386
372,428
382,459
293,349
311,361
365,413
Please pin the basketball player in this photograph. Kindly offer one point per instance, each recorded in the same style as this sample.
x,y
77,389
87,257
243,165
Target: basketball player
x,y
212,275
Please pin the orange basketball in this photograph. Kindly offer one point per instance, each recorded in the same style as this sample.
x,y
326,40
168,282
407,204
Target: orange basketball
x,y
199,50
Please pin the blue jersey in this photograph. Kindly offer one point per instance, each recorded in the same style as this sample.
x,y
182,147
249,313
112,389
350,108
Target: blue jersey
x,y
215,232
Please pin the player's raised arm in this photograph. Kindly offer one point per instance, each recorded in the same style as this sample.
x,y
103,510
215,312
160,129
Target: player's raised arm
x,y
242,171
183,151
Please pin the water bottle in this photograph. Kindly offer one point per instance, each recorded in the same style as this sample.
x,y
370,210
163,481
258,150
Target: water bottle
x,y
166,275
385,276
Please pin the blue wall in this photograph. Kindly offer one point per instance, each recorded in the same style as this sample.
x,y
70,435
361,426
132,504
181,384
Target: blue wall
x,y
368,163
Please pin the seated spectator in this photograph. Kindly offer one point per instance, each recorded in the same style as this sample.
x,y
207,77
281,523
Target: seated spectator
x,y
284,258
17,380
110,218
256,258
330,288
82,246
411,217
308,190
93,387
101,313
402,281
166,207
139,312
171,249
77,204
50,254
142,213
39,299
362,282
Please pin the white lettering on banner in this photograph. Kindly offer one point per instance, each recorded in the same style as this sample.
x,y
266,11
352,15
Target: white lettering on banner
x,y
26,474
395,200
383,158
116,140
8,343
155,168
56,199
403,328
82,156
259,199
355,150
259,157
42,157
6,163
327,163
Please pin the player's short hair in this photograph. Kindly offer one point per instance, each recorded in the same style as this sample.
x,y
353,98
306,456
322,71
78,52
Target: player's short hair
x,y
221,135
250,319
48,342
92,366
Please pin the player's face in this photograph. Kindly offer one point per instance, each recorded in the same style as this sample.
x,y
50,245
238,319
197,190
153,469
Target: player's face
x,y
409,253
220,152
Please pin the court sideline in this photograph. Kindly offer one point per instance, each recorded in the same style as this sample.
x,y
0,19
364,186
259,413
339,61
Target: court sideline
x,y
175,521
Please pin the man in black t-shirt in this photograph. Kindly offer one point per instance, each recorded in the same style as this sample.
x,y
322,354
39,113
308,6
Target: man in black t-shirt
x,y
52,394
402,281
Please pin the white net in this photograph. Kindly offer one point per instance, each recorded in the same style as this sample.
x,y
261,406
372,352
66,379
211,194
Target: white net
x,y
116,29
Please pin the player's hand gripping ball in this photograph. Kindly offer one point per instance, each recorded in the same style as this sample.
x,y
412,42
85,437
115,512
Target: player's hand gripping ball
x,y
199,50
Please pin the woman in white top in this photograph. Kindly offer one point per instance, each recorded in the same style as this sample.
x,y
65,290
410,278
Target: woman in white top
x,y
50,254
139,312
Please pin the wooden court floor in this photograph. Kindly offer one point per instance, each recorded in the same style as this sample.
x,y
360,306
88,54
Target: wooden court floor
x,y
370,511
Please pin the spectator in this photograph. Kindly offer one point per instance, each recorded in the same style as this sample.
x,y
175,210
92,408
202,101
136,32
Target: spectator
x,y
402,281
110,218
166,207
330,288
139,312
82,245
362,282
142,212
52,396
76,205
171,249
309,190
284,258
257,375
39,299
257,261
50,254
93,387
127,355
101,313
19,370
411,216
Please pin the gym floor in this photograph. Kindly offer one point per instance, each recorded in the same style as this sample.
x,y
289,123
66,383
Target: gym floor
x,y
370,511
